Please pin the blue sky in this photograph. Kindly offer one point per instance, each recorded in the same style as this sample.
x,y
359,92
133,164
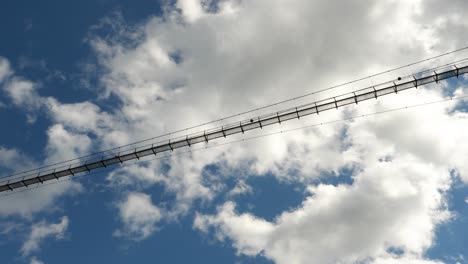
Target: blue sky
x,y
87,76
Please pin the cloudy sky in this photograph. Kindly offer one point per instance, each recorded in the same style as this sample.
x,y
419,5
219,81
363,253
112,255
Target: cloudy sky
x,y
78,77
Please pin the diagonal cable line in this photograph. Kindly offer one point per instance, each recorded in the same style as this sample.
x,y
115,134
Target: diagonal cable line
x,y
190,151
237,128
38,170
256,109
241,127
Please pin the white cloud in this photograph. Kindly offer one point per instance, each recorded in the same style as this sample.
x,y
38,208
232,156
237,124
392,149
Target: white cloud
x,y
249,234
20,91
396,199
26,203
5,69
240,188
139,216
42,231
35,200
230,64
83,116
243,57
184,179
64,144
388,134
405,260
67,139
191,9
390,205
13,159
23,93
247,58
34,260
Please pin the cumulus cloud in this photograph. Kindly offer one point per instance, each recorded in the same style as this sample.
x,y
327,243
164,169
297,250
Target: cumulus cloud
x,y
23,93
5,69
27,203
139,216
42,231
61,144
64,145
239,57
390,205
34,260
12,159
241,187
148,80
395,201
388,134
191,9
405,260
83,117
196,64
184,178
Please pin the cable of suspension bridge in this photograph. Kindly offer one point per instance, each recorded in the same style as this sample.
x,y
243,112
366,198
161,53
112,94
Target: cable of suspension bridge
x,y
190,151
259,122
256,109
